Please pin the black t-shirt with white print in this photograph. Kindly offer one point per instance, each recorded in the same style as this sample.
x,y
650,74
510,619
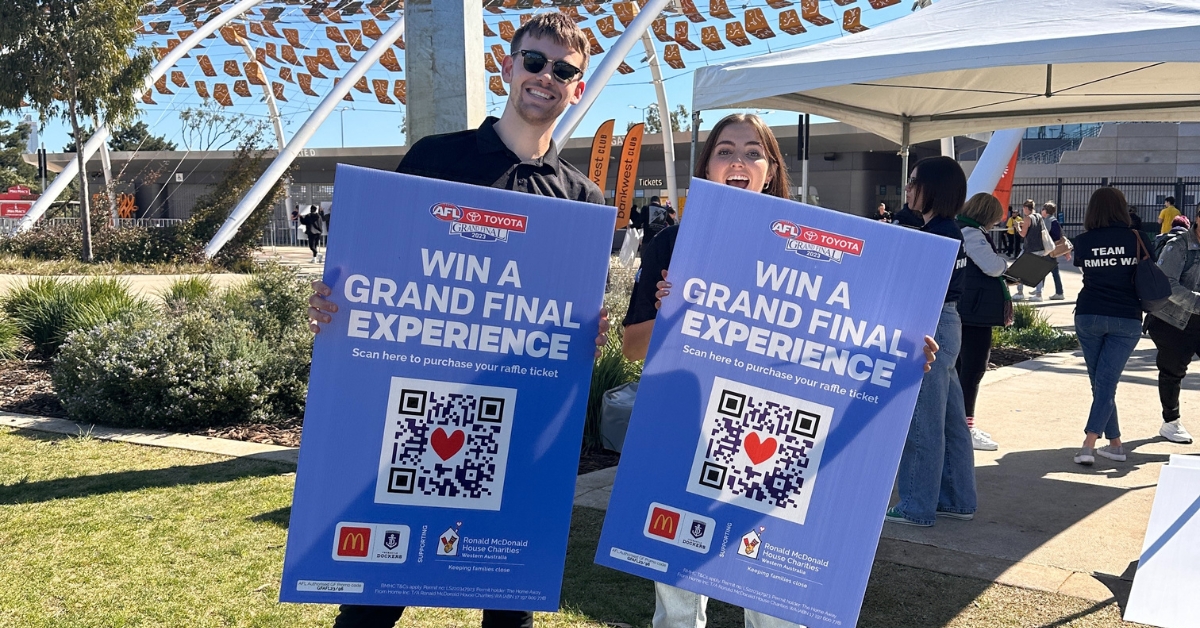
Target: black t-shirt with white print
x,y
1108,257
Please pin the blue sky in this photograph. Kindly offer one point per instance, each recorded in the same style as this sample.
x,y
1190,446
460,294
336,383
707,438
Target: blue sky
x,y
369,123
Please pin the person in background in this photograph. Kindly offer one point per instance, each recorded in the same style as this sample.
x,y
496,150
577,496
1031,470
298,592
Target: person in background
x,y
1014,237
937,468
1108,315
1031,232
312,229
982,304
1050,220
1168,213
1175,328
882,214
1179,226
658,218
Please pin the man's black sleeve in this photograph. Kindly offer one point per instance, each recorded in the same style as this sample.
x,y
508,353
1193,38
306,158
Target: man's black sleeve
x,y
656,257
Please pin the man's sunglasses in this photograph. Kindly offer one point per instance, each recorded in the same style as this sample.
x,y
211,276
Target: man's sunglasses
x,y
534,61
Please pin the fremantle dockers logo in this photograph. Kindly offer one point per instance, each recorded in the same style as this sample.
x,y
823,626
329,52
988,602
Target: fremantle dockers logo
x,y
822,246
479,224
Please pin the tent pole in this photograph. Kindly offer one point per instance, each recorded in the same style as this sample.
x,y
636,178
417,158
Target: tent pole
x,y
695,140
805,136
904,143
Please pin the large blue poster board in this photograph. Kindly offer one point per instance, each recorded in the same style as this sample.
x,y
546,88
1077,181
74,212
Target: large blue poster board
x,y
447,397
774,404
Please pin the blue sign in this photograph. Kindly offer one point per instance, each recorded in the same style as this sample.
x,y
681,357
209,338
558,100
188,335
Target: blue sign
x,y
774,404
447,397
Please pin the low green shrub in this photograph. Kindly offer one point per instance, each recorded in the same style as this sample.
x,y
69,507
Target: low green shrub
x,y
45,242
187,291
1031,330
10,340
47,309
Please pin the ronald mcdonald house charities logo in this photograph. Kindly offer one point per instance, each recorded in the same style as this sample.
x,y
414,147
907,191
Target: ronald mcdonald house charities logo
x,y
479,224
816,244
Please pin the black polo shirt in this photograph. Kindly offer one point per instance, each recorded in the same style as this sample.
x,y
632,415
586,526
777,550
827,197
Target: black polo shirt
x,y
479,157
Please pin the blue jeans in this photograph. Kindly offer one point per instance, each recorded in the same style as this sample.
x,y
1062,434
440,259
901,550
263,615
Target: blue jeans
x,y
1107,343
680,608
937,469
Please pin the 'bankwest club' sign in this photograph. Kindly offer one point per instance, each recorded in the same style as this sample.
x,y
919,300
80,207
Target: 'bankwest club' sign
x,y
774,404
447,397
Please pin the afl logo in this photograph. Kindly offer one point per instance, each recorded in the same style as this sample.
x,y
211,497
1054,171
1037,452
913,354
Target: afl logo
x,y
785,229
446,212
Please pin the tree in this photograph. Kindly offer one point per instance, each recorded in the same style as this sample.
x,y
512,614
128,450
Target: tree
x,y
136,136
13,169
72,59
209,127
680,120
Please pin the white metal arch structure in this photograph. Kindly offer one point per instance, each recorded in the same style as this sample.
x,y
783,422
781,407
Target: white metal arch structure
x,y
98,138
664,120
289,152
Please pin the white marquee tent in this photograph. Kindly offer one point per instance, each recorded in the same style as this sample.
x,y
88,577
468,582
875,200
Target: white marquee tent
x,y
963,66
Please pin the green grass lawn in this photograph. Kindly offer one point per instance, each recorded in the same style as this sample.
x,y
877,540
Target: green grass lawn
x,y
97,533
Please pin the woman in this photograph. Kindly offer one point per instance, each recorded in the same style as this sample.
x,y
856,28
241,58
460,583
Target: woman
x,y
982,304
742,152
937,469
1050,220
1108,314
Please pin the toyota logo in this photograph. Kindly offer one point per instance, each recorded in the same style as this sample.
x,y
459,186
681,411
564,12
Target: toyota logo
x,y
473,216
811,236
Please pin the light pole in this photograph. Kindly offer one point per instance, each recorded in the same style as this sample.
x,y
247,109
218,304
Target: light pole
x,y
342,120
646,108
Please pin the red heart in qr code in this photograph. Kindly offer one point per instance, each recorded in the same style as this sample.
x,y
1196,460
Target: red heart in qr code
x,y
446,446
757,450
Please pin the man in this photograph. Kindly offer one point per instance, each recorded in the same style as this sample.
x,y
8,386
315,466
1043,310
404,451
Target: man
x,y
657,218
515,152
1030,230
1175,328
1168,213
312,228
1050,221
882,214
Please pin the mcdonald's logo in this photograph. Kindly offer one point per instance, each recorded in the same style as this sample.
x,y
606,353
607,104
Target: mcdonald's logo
x,y
353,541
664,523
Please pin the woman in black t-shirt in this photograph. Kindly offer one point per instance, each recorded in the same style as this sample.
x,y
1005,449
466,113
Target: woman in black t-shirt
x,y
1108,314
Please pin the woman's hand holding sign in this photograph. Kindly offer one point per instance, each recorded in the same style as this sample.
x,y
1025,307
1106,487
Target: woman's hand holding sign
x,y
320,310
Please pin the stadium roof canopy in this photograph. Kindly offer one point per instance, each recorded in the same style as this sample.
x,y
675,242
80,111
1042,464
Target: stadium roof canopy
x,y
964,66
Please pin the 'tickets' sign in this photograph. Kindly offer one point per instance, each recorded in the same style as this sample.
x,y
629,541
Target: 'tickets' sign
x,y
774,404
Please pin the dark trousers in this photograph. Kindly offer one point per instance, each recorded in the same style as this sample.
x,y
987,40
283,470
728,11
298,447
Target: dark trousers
x,y
351,616
1014,245
972,362
314,240
1057,278
1175,350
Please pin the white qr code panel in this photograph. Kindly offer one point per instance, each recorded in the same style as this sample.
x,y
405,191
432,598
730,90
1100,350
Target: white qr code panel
x,y
759,449
445,444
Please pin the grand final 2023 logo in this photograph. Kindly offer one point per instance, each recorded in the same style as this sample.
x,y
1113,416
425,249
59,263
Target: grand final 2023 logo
x,y
479,224
816,244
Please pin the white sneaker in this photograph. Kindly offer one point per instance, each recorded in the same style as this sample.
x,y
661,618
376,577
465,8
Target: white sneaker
x,y
1057,297
982,441
1175,432
1018,297
314,260
1037,298
1085,457
1112,453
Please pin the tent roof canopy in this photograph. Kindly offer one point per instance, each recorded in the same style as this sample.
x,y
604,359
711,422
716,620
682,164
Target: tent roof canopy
x,y
963,66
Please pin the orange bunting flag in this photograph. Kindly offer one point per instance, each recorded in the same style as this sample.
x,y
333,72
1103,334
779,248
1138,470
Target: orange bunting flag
x,y
325,58
625,68
810,10
720,9
631,155
148,97
334,34
681,36
525,18
601,154
883,4
338,79
844,3
689,9
289,55
221,95
783,4
593,7
489,63
361,85
487,32
344,53
306,84
313,67
852,21
354,36
286,75
257,29
178,78
371,29
313,15
672,57
277,90
711,38
254,73
159,53
606,26
206,65
230,35
789,22
389,61
399,42
625,11
659,26
499,53
261,56
572,13
241,88
400,91
756,24
496,85
201,89
596,48
231,68
381,88
184,34
270,29
735,34
507,31
293,38
333,15
161,86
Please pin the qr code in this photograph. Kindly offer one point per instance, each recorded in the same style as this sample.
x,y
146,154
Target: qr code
x,y
445,444
759,449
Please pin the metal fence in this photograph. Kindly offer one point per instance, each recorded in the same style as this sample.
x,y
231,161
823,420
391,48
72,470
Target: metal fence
x,y
1145,195
9,225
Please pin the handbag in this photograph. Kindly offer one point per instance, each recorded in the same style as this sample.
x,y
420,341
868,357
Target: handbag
x,y
1062,247
1047,243
1153,288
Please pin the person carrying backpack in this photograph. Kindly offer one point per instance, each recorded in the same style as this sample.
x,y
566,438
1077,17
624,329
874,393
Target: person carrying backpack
x,y
1175,328
657,218
1179,226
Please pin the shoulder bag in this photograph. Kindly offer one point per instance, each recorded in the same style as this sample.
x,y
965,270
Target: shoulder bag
x,y
1153,288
